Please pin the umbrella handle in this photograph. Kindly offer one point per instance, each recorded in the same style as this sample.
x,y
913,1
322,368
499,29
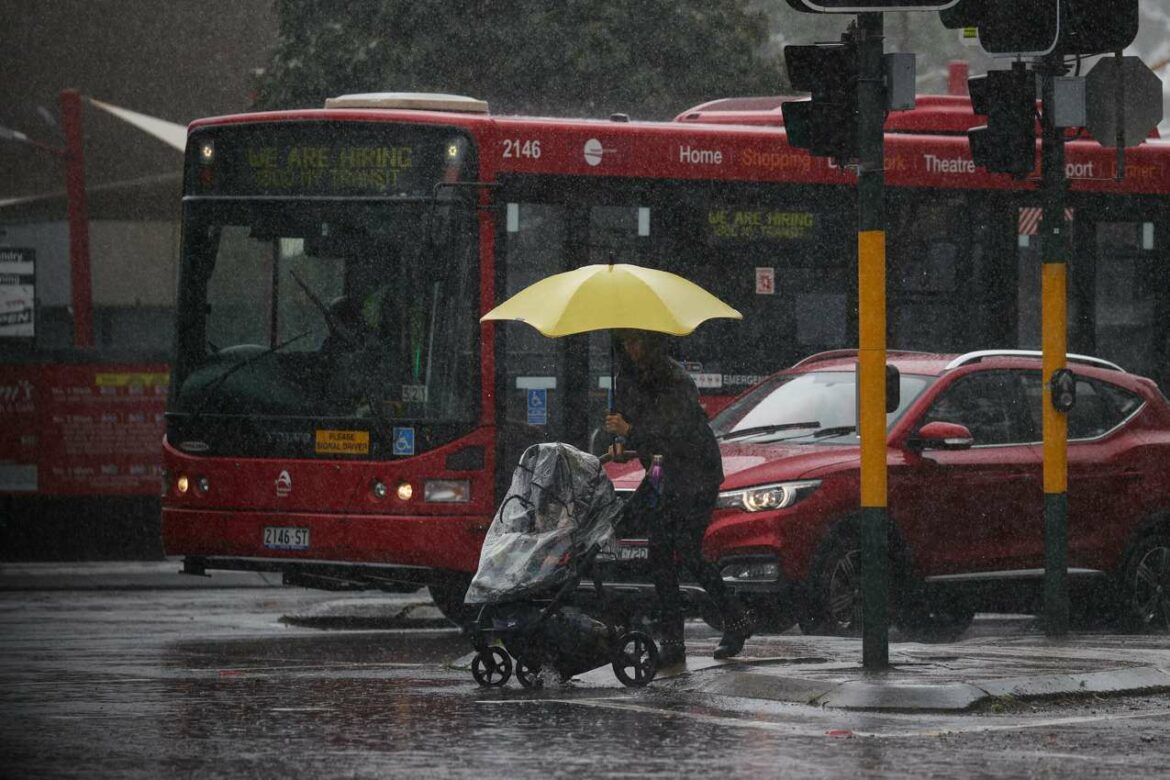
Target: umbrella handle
x,y
612,373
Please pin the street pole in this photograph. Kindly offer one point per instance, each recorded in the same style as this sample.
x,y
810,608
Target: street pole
x,y
78,209
1054,324
871,358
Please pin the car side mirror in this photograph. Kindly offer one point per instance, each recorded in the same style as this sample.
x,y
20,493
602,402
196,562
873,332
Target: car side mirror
x,y
942,436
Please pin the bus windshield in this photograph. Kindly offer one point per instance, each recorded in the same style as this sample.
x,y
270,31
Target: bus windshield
x,y
323,308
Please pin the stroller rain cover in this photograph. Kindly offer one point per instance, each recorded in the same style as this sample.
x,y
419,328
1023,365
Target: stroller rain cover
x,y
560,500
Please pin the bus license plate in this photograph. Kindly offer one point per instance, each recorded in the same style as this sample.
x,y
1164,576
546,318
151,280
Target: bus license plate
x,y
633,553
286,537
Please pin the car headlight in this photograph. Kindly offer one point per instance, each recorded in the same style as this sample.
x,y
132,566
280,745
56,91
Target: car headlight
x,y
764,497
759,570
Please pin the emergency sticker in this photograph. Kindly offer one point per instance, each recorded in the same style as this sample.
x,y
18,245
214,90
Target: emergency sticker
x,y
765,281
343,442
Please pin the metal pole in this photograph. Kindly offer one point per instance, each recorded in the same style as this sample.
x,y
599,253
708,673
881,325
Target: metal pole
x,y
1054,326
80,279
871,362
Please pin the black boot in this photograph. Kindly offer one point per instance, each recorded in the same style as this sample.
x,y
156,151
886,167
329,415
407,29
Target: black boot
x,y
672,649
672,652
735,632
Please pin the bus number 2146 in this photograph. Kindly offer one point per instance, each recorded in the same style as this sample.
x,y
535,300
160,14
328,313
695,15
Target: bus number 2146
x,y
514,147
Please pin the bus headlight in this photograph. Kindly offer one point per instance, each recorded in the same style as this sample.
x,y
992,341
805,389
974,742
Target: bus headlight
x,y
447,491
379,489
182,484
765,497
405,491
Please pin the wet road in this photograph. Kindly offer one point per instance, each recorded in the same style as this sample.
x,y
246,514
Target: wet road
x,y
210,684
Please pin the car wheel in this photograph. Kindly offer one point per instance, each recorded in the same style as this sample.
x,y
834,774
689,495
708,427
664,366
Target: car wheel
x,y
448,597
1146,585
833,592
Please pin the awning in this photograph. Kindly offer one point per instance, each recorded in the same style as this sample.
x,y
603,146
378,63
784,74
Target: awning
x,y
170,133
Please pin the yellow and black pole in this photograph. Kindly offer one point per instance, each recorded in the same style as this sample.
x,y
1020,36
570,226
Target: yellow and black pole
x,y
871,360
1054,327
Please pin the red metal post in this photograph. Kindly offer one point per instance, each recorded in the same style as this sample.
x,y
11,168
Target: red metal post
x,y
78,219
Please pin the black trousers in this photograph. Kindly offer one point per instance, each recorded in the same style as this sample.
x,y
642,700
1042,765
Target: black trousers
x,y
676,538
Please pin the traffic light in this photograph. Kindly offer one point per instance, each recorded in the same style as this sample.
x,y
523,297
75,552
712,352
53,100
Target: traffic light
x,y
826,124
1007,143
1096,27
1047,26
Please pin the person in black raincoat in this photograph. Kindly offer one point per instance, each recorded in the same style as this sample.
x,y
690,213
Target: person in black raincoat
x,y
660,414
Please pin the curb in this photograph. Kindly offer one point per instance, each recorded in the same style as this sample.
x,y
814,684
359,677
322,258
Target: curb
x,y
941,696
370,615
154,575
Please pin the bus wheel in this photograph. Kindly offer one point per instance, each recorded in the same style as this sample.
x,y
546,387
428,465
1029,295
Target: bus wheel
x,y
448,597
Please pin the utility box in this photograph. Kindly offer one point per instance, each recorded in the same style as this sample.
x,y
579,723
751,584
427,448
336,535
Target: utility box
x,y
1069,101
901,86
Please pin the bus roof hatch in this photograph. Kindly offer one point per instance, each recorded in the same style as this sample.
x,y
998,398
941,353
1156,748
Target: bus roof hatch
x,y
423,101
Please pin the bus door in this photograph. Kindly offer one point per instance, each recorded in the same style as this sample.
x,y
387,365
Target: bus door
x,y
555,389
1119,286
951,270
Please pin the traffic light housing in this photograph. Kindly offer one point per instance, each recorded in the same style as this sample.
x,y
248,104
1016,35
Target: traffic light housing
x,y
1007,143
825,124
1065,27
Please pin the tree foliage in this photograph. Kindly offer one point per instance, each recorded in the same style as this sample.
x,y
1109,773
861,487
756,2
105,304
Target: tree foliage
x,y
650,59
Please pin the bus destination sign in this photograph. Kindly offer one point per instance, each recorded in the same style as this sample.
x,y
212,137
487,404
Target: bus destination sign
x,y
352,160
759,224
345,168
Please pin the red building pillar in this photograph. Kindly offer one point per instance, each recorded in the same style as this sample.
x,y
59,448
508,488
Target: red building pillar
x,y
80,278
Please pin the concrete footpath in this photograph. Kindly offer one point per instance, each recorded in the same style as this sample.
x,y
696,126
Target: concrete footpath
x,y
1001,660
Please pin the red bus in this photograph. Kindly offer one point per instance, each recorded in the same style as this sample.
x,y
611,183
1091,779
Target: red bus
x,y
338,413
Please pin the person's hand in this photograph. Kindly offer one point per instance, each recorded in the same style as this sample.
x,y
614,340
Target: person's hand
x,y
616,424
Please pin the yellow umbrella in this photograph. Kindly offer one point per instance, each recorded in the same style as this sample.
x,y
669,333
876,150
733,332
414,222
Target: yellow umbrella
x,y
610,296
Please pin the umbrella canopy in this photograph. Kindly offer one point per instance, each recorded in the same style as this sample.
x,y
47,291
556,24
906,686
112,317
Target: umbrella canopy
x,y
603,297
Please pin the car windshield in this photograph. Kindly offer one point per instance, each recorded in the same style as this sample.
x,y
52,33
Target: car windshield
x,y
807,408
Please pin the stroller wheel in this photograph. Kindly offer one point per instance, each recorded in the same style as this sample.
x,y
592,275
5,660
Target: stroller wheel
x,y
491,667
528,674
635,662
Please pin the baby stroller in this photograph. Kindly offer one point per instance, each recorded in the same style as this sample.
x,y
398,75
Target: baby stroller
x,y
556,520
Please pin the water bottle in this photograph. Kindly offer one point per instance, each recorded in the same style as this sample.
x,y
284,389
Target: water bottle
x,y
655,477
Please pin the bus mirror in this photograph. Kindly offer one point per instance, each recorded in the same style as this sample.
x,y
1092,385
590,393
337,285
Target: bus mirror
x,y
893,388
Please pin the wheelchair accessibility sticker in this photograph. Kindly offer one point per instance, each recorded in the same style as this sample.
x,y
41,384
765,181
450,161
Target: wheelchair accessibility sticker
x,y
537,406
403,441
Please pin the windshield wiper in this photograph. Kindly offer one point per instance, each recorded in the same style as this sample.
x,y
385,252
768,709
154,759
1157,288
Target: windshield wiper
x,y
761,430
215,384
836,430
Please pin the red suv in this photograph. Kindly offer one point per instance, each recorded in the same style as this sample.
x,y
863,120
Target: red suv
x,y
965,493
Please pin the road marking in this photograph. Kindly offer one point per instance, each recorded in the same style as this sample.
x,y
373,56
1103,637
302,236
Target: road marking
x,y
1019,725
808,730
